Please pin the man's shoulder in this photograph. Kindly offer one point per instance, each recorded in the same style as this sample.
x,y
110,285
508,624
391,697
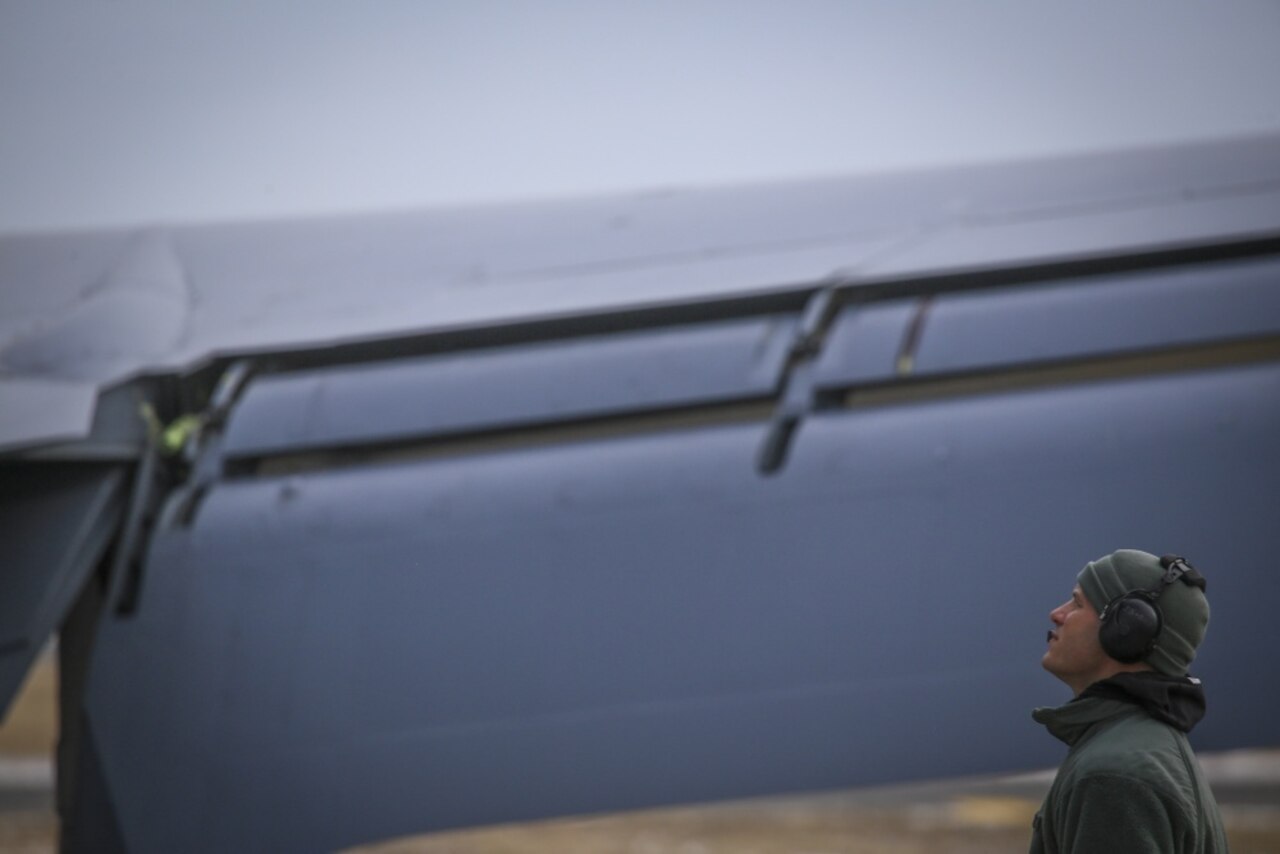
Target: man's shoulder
x,y
1126,735
1142,750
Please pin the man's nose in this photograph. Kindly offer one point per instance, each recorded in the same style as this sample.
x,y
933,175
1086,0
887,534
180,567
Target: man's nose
x,y
1055,616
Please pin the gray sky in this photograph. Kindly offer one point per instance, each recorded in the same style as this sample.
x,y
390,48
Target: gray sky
x,y
129,112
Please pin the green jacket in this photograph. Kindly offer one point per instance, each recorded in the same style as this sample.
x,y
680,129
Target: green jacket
x,y
1130,783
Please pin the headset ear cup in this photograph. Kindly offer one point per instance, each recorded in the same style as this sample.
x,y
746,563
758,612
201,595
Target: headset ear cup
x,y
1129,628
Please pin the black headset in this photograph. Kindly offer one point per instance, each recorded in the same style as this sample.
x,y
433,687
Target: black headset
x,y
1131,622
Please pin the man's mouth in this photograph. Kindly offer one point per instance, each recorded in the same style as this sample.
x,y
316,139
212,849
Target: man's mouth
x,y
1051,638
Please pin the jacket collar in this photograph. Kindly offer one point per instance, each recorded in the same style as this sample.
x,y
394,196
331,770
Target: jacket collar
x,y
1175,700
1069,723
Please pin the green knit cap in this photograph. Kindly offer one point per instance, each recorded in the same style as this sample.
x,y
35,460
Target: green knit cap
x,y
1184,608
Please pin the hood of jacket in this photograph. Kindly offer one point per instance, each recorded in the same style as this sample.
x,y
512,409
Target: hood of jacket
x,y
1175,700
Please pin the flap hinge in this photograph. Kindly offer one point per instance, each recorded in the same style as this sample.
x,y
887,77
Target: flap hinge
x,y
796,379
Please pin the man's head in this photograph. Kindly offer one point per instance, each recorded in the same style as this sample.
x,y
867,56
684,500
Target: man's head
x,y
1075,653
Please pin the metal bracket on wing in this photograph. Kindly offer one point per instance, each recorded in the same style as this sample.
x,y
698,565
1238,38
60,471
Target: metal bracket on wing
x,y
125,578
203,446
795,382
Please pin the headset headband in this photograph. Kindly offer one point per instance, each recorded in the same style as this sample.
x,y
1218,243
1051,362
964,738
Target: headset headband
x,y
1175,567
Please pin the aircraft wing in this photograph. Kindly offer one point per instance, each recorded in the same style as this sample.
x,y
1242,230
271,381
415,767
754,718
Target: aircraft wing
x,y
367,526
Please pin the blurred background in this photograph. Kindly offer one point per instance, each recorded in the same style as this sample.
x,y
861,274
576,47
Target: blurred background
x,y
984,815
134,113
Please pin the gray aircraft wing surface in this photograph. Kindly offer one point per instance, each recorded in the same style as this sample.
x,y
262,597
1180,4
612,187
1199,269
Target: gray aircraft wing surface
x,y
354,527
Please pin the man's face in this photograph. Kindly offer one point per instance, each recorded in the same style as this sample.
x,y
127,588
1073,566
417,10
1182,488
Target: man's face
x,y
1075,654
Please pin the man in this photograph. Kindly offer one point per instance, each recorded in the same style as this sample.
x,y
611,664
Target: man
x,y
1123,643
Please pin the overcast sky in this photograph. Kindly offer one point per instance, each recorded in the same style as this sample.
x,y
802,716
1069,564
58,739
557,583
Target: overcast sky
x,y
118,113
